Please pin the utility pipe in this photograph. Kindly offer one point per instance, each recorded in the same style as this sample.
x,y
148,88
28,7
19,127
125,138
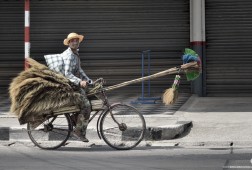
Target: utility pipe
x,y
27,33
198,42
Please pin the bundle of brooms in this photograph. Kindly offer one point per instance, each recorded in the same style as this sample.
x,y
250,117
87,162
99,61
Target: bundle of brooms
x,y
39,89
170,95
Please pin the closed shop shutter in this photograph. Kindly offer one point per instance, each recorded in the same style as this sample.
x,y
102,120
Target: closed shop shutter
x,y
11,41
229,48
116,32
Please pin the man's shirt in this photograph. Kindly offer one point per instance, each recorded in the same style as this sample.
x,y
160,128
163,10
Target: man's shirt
x,y
67,64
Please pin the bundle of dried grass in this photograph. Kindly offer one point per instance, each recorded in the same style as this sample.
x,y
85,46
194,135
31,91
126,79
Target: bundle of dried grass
x,y
170,95
38,91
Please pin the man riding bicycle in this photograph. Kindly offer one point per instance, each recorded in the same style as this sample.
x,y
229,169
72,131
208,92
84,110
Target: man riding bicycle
x,y
68,63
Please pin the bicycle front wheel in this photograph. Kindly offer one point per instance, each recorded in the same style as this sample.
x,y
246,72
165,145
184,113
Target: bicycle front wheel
x,y
52,133
124,129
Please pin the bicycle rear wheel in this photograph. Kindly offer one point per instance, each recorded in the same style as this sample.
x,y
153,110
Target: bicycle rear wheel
x,y
129,131
52,133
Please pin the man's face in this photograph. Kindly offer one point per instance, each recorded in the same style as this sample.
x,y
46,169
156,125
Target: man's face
x,y
74,43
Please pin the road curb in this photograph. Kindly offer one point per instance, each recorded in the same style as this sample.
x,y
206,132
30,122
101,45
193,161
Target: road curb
x,y
152,133
167,132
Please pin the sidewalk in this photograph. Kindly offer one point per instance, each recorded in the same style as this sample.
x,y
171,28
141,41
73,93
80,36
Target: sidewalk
x,y
217,121
159,127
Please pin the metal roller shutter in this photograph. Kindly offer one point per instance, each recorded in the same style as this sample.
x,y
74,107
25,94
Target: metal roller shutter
x,y
115,34
229,48
116,31
11,44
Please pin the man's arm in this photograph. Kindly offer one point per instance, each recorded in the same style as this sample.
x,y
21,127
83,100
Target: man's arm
x,y
84,76
68,67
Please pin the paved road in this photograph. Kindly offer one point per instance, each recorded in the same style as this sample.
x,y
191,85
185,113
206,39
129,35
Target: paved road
x,y
24,156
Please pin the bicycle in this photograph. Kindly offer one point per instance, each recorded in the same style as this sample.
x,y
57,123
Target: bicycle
x,y
121,126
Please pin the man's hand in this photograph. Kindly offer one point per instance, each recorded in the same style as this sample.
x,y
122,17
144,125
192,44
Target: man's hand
x,y
83,84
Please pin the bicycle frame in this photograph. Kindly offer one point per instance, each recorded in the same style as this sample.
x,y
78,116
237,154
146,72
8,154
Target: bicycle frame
x,y
103,111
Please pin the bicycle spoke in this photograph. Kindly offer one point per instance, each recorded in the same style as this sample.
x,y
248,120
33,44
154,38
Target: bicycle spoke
x,y
131,127
52,133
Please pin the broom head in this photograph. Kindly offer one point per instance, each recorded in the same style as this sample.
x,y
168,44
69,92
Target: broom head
x,y
170,95
189,57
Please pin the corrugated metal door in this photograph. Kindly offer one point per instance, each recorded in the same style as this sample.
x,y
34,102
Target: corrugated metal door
x,y
11,43
116,32
229,47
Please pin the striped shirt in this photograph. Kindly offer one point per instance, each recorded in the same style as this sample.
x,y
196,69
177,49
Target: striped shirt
x,y
68,64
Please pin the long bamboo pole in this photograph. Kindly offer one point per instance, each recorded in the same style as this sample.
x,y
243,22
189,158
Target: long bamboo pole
x,y
173,70
159,74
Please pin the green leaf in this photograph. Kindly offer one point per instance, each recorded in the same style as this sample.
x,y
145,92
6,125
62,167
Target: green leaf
x,y
190,52
192,75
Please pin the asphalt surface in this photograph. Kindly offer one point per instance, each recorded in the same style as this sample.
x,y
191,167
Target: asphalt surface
x,y
24,156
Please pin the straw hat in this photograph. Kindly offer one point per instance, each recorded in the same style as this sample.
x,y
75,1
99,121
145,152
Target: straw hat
x,y
72,36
